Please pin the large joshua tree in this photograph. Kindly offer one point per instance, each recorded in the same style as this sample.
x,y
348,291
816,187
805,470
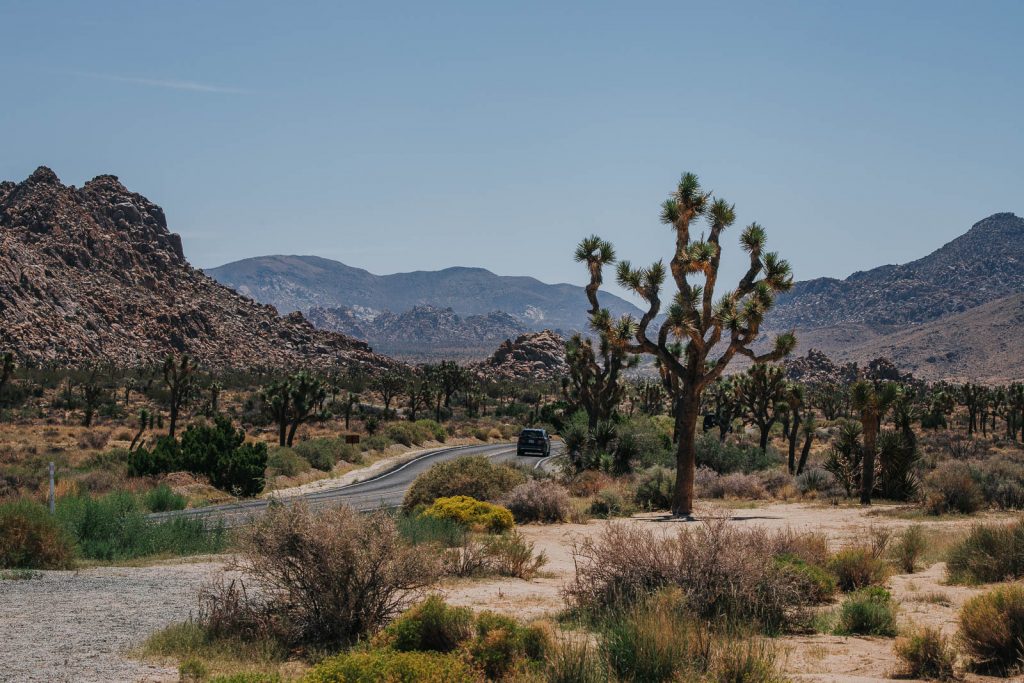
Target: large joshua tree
x,y
872,402
711,332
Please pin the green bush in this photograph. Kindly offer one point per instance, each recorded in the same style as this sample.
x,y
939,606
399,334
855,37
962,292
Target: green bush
x,y
501,643
436,431
726,457
909,548
376,442
217,451
610,503
30,538
654,488
1001,481
474,476
431,625
858,567
246,678
324,454
407,433
989,553
868,612
390,666
821,583
642,442
992,630
286,462
163,499
418,530
538,501
472,513
113,527
926,654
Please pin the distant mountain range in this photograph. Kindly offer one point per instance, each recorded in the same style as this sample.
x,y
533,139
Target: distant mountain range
x,y
423,332
955,313
301,283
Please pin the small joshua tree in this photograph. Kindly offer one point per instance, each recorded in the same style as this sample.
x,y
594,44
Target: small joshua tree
x,y
872,403
293,401
725,402
762,391
703,325
179,378
389,384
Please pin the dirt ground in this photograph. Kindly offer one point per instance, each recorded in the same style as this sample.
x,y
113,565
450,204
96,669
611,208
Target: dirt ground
x,y
81,626
923,596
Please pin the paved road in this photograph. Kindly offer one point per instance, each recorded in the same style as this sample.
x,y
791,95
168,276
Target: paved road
x,y
385,490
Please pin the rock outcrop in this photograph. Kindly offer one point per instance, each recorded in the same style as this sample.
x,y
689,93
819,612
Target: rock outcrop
x,y
94,274
538,356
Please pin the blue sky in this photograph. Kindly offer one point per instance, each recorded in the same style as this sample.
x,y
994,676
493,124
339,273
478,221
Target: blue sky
x,y
406,136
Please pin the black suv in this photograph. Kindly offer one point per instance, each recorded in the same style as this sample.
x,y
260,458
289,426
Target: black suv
x,y
534,441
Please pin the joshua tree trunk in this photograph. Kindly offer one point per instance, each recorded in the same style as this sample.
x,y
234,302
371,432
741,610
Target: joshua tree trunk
x,y
794,433
868,475
688,410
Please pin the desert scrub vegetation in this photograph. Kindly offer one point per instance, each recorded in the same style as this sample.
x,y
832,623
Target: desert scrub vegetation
x,y
724,572
867,612
538,501
109,528
507,554
909,547
992,630
989,553
861,566
474,476
472,513
927,654
322,580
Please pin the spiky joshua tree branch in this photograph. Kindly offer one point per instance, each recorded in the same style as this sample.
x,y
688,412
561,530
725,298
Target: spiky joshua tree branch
x,y
700,335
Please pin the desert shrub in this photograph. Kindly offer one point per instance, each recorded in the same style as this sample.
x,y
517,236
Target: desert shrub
x,y
642,442
815,479
723,571
501,643
114,527
418,530
537,501
435,430
726,457
951,488
414,433
654,488
610,502
589,482
992,630
320,580
575,661
868,612
1001,481
94,439
989,553
376,442
820,582
286,462
30,538
858,567
474,476
737,485
394,667
217,451
512,555
324,454
909,548
431,625
245,677
927,654
163,499
470,512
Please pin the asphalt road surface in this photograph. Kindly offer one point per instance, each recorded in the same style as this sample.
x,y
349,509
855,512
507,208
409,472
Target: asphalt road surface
x,y
385,490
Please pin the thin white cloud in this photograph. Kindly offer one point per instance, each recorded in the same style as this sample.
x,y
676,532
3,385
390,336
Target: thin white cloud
x,y
171,84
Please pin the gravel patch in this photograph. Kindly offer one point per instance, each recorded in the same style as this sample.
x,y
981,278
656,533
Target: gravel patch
x,y
79,625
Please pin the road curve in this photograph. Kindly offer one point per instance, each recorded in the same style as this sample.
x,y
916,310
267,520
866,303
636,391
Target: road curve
x,y
384,490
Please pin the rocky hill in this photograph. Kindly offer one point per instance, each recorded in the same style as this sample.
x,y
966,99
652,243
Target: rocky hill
x,y
93,273
952,314
423,332
303,282
536,356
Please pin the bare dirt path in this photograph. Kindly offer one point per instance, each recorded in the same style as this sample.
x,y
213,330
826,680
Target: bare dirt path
x,y
78,626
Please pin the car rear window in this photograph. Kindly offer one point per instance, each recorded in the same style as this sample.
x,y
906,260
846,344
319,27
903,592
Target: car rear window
x,y
532,432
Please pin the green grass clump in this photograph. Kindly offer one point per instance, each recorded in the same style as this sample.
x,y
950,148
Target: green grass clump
x,y
992,630
394,667
163,499
909,548
989,553
868,612
472,513
858,567
115,528
820,582
30,538
419,530
432,625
